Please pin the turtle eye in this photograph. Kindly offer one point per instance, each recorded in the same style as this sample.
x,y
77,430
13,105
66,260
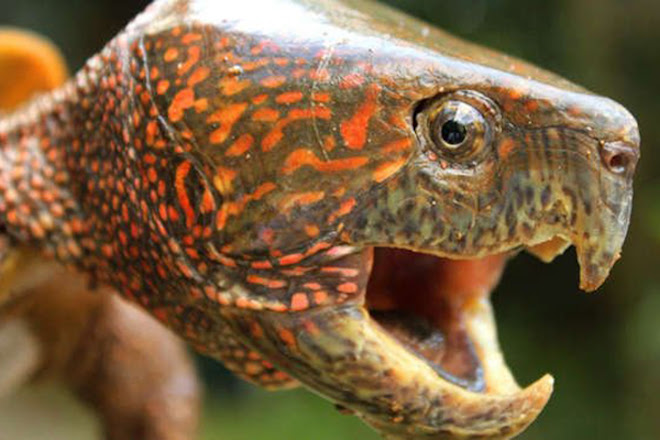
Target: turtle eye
x,y
458,129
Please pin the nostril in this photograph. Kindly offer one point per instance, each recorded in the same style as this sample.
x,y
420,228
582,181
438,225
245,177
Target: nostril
x,y
618,163
619,157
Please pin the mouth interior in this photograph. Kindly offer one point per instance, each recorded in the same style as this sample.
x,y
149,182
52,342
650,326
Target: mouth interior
x,y
423,301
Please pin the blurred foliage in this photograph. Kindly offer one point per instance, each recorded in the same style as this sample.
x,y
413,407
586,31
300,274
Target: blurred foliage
x,y
603,349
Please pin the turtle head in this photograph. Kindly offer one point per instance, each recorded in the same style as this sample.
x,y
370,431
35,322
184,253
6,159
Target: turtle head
x,y
363,179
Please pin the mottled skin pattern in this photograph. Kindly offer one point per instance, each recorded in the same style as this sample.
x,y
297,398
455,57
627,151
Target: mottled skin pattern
x,y
233,174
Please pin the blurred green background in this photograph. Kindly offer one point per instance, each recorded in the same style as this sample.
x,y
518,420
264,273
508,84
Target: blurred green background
x,y
603,349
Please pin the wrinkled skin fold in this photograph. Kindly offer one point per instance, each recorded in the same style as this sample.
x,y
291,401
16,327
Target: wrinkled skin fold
x,y
329,202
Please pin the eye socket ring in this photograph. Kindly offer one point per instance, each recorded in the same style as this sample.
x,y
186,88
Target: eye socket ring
x,y
458,129
460,126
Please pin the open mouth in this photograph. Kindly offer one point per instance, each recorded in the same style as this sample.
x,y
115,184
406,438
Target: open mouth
x,y
439,310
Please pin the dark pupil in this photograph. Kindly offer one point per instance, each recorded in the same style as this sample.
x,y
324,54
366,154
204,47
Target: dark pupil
x,y
454,133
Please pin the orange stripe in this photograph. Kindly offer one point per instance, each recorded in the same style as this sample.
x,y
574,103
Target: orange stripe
x,y
354,130
388,169
302,157
194,53
182,101
345,208
241,146
397,146
302,199
184,201
198,76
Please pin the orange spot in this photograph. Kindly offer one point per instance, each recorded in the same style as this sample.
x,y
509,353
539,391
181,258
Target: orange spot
x,y
344,209
320,297
532,106
266,115
354,130
162,87
152,175
291,259
270,283
199,75
182,101
273,82
171,54
226,117
299,302
329,143
312,231
506,147
303,157
277,133
201,105
388,169
287,337
289,98
151,132
259,99
262,265
302,199
347,288
321,97
172,213
231,86
343,271
241,146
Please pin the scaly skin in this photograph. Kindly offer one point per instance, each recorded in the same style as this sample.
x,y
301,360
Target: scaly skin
x,y
53,326
233,173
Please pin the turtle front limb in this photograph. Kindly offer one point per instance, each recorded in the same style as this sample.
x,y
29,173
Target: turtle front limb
x,y
133,371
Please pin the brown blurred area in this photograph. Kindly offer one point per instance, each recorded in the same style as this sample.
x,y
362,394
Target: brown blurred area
x,y
603,349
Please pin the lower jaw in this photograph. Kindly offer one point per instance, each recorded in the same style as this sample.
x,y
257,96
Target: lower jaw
x,y
439,309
